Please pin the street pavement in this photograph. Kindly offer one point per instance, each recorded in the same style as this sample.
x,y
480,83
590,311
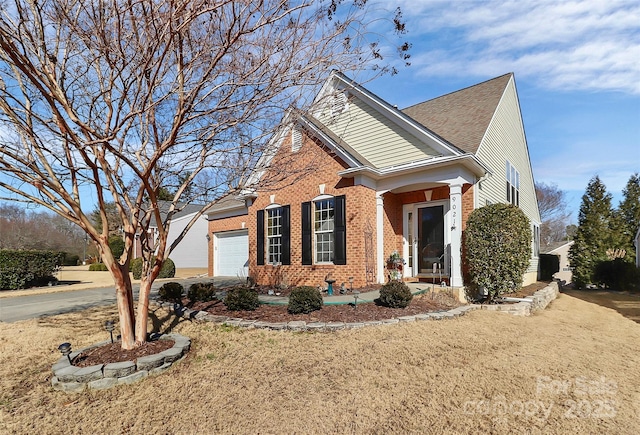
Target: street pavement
x,y
13,309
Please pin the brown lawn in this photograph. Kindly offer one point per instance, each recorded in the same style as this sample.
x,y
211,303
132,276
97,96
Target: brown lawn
x,y
571,369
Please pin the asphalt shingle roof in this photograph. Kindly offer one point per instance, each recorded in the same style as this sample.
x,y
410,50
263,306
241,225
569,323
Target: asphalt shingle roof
x,y
462,117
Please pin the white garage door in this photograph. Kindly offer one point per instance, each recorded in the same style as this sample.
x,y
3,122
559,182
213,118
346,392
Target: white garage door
x,y
232,254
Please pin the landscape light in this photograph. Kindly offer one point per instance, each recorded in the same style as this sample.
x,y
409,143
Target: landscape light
x,y
110,326
65,349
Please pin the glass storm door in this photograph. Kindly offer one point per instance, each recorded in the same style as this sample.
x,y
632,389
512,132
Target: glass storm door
x,y
431,247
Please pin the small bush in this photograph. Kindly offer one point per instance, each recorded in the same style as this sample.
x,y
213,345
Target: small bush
x,y
304,300
395,294
70,259
98,267
116,244
202,292
168,268
23,269
171,291
549,264
618,274
242,299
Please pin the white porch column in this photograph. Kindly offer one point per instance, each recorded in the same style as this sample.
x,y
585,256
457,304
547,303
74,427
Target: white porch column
x,y
455,208
380,237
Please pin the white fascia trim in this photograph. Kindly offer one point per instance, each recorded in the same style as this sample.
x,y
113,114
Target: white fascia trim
x,y
346,157
396,115
468,160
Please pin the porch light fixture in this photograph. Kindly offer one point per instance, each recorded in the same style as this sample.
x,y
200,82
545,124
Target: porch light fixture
x,y
65,350
109,326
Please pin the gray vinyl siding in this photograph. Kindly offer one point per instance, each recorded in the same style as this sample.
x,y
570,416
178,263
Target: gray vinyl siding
x,y
505,141
376,137
192,251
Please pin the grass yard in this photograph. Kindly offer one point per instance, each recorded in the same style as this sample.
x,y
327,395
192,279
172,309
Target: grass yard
x,y
575,368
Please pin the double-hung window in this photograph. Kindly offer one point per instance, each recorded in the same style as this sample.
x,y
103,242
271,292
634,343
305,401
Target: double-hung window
x,y
274,235
323,223
513,185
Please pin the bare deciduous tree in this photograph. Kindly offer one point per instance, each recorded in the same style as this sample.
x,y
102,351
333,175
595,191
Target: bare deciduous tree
x,y
116,100
553,212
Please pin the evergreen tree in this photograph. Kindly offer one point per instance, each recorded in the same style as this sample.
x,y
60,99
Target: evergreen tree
x,y
629,215
594,235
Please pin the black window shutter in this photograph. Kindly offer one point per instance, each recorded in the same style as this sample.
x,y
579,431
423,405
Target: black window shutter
x,y
307,257
286,235
340,231
260,238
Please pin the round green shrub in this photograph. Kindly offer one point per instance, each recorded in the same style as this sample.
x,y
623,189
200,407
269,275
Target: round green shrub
x,y
395,294
496,250
304,299
116,244
201,291
168,268
136,267
98,267
171,291
241,299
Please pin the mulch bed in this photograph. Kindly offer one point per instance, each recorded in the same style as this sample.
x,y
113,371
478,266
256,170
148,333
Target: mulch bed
x,y
332,313
113,352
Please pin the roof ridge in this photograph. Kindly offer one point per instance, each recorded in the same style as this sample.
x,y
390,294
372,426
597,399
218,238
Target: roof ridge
x,y
459,90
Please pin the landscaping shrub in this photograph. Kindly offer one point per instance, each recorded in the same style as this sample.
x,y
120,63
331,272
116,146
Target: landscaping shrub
x,y
242,299
395,294
168,268
22,269
549,264
70,259
304,299
171,291
98,267
116,244
618,274
202,291
496,250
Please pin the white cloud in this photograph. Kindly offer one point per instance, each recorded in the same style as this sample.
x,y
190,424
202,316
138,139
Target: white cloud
x,y
571,45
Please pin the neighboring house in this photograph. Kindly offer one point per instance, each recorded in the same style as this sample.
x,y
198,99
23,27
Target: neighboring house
x,y
380,180
192,251
561,249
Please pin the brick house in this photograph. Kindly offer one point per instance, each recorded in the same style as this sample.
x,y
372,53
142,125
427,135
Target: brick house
x,y
356,179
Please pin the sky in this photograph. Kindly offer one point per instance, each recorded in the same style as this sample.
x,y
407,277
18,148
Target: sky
x,y
577,72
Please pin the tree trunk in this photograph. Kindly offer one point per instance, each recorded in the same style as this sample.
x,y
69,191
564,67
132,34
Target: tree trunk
x,y
143,310
124,299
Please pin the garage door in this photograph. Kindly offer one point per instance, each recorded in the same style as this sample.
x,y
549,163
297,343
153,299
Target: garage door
x,y
232,254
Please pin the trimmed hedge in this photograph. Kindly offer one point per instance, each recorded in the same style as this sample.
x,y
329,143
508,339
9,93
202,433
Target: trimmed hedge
x,y
395,294
241,299
304,300
168,268
496,250
618,274
171,291
23,269
202,291
98,267
549,264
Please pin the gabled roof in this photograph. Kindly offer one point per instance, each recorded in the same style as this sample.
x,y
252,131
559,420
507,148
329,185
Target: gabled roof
x,y
183,210
462,117
554,246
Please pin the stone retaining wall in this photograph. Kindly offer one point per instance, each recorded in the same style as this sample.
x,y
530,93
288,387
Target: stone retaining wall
x,y
536,302
299,325
67,377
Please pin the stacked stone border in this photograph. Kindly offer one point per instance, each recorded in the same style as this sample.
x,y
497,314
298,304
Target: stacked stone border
x,y
530,304
69,378
538,301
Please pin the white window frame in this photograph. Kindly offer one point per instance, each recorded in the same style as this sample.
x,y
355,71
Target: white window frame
x,y
323,226
513,184
274,235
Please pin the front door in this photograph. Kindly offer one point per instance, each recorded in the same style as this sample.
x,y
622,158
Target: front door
x,y
430,241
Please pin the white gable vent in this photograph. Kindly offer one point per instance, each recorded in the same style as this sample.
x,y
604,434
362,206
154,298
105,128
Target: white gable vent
x,y
296,139
338,103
